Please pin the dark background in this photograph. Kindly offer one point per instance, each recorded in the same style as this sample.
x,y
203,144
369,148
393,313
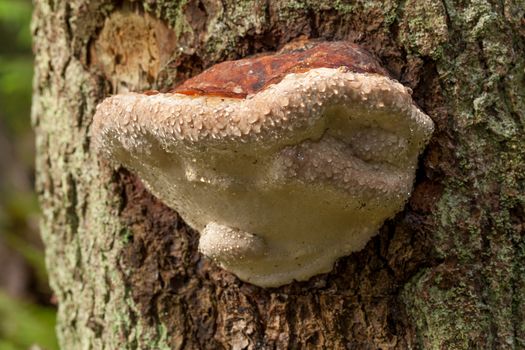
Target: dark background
x,y
27,313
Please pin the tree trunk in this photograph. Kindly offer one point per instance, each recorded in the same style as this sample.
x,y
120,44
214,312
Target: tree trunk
x,y
446,273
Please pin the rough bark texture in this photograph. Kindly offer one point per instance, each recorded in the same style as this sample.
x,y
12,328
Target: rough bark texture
x,y
446,273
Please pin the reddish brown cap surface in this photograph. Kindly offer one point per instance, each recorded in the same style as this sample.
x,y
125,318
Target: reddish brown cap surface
x,y
251,75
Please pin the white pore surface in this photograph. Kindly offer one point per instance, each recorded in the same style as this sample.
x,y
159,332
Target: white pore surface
x,y
279,184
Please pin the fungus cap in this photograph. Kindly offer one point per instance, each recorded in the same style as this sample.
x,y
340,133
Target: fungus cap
x,y
284,163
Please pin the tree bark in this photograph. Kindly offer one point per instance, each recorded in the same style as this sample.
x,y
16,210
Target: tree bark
x,y
446,273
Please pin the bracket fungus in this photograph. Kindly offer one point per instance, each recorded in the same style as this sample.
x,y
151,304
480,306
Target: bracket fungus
x,y
283,162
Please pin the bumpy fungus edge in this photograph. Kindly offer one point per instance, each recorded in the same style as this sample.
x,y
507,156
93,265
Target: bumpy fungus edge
x,y
283,182
282,113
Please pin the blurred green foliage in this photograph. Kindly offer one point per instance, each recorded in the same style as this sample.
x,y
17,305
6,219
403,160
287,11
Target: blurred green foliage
x,y
22,322
16,65
15,83
24,325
